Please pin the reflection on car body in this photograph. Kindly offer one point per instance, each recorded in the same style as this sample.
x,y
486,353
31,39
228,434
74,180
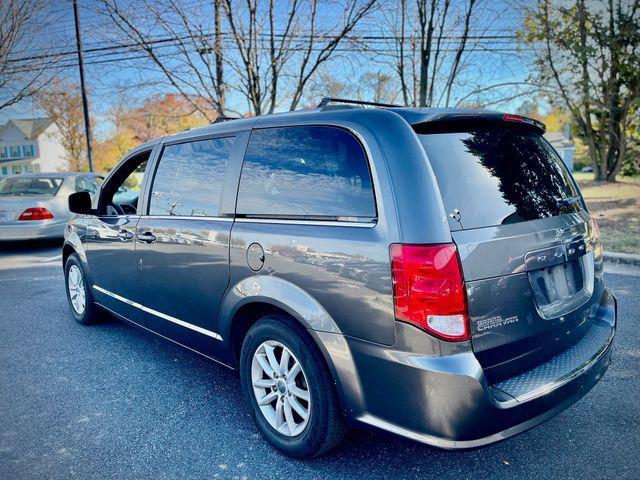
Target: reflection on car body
x,y
315,253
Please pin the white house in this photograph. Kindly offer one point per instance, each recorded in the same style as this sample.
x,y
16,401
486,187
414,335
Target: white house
x,y
561,141
31,145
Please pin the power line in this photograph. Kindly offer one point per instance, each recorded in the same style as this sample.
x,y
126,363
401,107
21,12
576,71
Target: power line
x,y
228,35
99,60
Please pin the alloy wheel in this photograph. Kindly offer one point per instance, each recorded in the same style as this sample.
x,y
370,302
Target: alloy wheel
x,y
75,284
280,387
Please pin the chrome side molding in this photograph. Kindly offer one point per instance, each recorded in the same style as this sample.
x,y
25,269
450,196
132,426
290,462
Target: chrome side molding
x,y
164,316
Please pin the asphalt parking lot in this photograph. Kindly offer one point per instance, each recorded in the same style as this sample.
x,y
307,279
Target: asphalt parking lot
x,y
110,401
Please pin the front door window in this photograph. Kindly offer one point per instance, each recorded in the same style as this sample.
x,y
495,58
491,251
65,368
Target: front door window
x,y
121,194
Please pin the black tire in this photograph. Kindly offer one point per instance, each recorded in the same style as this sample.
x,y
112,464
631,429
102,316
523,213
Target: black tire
x,y
90,314
326,426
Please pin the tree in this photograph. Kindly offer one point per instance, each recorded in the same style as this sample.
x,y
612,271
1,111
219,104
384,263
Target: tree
x,y
20,28
588,61
62,103
158,116
264,50
183,42
162,115
316,53
427,56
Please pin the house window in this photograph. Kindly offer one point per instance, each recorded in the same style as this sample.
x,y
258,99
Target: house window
x,y
14,151
4,171
4,152
15,169
27,151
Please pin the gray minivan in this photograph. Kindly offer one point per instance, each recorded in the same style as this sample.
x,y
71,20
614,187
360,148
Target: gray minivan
x,y
432,273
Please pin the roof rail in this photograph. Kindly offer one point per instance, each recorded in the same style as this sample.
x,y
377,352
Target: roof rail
x,y
327,100
224,118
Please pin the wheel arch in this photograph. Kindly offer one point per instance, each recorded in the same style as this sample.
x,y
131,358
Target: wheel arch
x,y
274,292
67,250
258,296
73,244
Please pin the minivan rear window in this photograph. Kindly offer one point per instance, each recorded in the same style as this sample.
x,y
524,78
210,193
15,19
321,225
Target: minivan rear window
x,y
499,175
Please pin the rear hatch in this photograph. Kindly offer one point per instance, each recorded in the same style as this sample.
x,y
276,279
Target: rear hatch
x,y
530,253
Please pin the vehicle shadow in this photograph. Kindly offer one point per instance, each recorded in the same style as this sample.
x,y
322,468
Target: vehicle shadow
x,y
30,246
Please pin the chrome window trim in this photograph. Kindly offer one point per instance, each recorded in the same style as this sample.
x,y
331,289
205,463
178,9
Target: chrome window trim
x,y
164,316
328,223
186,217
340,126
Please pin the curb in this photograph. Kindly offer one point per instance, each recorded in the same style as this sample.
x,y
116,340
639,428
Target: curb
x,y
621,258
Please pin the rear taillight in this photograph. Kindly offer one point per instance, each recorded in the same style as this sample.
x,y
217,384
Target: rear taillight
x,y
428,289
36,213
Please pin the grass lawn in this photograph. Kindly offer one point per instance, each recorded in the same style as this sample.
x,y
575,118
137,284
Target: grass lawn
x,y
616,207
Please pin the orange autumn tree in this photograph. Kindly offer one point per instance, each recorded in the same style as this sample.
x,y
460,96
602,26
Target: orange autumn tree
x,y
158,116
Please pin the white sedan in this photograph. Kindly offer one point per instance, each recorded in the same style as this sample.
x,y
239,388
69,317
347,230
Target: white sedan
x,y
35,205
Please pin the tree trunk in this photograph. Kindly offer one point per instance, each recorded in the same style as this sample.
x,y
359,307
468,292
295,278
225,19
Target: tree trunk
x,y
220,88
403,80
426,35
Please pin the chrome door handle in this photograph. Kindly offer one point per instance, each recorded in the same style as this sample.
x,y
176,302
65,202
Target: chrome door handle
x,y
125,235
146,237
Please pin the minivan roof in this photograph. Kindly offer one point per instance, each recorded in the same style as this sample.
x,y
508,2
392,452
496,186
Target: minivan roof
x,y
414,116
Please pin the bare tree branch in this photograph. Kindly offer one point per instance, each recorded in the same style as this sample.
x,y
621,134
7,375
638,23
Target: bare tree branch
x,y
20,23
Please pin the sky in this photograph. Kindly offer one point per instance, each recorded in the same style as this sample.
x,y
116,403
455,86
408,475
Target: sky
x,y
114,77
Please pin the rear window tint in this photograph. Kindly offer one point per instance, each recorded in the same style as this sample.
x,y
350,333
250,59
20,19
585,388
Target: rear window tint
x,y
306,172
499,175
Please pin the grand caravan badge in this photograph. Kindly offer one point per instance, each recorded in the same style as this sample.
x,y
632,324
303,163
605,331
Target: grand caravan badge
x,y
495,322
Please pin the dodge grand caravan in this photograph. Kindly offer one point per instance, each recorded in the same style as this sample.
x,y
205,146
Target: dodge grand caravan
x,y
432,273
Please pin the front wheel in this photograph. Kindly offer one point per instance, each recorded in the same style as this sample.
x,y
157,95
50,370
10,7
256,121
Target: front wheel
x,y
289,388
79,295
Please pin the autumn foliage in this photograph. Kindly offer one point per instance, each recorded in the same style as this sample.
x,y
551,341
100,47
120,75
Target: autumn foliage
x,y
157,117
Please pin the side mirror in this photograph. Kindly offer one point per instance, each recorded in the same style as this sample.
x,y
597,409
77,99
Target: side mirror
x,y
80,202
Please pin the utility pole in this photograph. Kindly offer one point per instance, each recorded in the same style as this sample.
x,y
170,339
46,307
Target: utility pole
x,y
85,107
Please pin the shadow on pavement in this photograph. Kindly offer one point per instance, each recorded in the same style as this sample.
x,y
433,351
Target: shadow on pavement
x,y
30,246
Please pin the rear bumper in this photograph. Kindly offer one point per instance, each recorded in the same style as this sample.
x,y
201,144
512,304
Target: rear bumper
x,y
32,230
443,399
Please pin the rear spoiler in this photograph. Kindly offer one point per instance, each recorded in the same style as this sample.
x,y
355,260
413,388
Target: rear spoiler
x,y
457,122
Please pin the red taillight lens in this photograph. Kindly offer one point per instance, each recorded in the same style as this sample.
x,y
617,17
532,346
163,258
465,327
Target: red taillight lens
x,y
428,289
37,213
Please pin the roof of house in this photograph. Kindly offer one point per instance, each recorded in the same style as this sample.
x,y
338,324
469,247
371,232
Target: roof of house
x,y
558,140
31,127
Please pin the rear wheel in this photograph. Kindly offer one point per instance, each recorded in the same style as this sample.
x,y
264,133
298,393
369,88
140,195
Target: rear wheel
x,y
79,295
290,391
